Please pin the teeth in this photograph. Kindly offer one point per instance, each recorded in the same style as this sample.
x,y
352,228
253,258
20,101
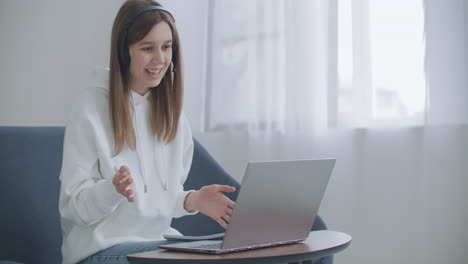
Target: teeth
x,y
153,71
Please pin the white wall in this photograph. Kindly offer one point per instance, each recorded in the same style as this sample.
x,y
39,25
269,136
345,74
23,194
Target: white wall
x,y
50,47
48,50
466,34
445,61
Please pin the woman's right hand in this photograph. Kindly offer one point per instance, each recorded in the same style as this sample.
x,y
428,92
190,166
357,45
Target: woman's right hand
x,y
124,183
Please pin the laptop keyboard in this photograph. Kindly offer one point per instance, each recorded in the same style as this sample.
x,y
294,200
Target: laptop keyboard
x,y
210,246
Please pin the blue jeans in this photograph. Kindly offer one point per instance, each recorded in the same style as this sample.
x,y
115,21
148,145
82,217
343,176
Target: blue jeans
x,y
118,253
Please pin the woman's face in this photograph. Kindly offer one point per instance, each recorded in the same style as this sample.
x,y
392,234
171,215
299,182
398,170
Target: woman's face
x,y
150,58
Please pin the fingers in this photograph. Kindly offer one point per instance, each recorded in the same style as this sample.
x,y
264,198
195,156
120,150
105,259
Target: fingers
x,y
129,193
124,169
221,222
226,218
229,211
227,202
230,204
117,179
122,173
225,188
124,183
131,197
215,204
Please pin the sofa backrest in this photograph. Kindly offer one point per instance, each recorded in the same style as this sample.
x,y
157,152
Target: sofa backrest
x,y
30,162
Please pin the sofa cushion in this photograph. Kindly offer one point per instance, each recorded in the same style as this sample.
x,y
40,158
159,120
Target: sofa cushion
x,y
30,162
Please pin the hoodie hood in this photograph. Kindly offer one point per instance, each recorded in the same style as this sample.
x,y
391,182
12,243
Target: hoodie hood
x,y
100,77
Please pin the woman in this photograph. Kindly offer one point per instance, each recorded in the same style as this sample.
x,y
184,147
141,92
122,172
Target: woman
x,y
128,148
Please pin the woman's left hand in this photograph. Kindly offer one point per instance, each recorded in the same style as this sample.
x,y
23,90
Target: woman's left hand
x,y
211,201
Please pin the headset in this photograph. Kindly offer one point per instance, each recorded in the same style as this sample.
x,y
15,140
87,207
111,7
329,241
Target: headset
x,y
124,55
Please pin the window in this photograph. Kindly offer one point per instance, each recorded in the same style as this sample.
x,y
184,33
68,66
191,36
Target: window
x,y
381,62
299,64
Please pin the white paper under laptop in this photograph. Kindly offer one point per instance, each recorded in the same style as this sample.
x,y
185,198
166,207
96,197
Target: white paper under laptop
x,y
277,204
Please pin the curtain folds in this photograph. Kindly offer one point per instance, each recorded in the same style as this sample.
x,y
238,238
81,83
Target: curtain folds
x,y
381,86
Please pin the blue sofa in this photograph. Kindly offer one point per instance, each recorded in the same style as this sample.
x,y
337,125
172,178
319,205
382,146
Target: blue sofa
x,y
30,162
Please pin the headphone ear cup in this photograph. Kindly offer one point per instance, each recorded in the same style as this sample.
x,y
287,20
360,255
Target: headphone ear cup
x,y
174,60
126,58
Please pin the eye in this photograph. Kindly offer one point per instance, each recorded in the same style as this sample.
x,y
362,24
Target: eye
x,y
147,48
169,46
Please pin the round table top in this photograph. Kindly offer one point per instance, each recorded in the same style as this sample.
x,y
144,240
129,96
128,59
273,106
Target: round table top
x,y
318,244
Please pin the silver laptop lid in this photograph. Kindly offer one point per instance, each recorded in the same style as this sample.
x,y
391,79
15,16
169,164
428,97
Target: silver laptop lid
x,y
278,202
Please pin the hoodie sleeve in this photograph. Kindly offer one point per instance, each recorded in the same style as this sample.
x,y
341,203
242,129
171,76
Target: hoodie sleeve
x,y
186,163
85,195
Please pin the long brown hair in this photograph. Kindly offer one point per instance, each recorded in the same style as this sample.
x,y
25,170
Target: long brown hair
x,y
166,98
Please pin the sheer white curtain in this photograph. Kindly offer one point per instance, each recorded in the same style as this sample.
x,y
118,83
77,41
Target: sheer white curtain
x,y
264,65
301,65
378,84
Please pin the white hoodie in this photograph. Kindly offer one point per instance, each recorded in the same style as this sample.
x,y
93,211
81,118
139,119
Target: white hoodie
x,y
93,215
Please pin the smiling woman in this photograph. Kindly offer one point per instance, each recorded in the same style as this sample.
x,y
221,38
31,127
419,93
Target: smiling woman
x,y
128,148
151,58
130,59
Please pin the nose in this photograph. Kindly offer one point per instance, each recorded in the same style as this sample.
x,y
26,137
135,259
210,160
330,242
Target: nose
x,y
158,57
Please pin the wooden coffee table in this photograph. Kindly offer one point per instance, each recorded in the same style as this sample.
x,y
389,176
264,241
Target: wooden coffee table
x,y
318,244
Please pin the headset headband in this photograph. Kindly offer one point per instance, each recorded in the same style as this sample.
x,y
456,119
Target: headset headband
x,y
124,56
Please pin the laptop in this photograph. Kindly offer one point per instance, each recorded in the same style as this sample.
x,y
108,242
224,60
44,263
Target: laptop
x,y
277,204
